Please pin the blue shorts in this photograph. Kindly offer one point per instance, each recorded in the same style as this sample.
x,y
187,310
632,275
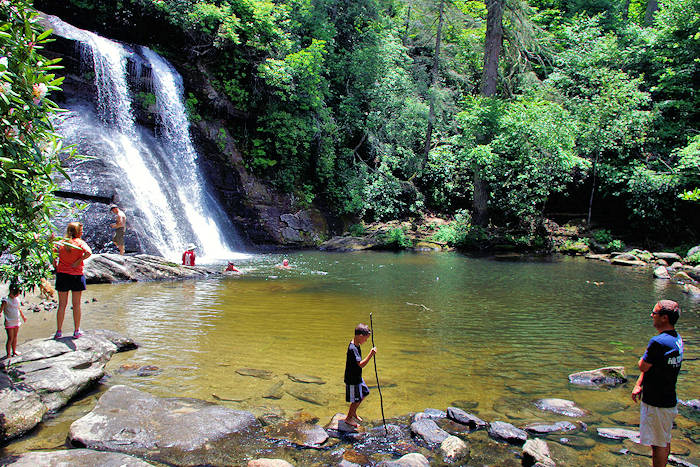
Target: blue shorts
x,y
356,392
66,282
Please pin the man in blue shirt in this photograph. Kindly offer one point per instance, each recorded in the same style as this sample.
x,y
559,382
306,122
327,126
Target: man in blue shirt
x,y
659,368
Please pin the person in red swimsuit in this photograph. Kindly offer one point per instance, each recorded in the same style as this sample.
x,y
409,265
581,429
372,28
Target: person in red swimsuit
x,y
188,256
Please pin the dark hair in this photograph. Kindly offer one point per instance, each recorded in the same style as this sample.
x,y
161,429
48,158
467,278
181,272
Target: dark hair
x,y
670,309
73,230
362,330
14,288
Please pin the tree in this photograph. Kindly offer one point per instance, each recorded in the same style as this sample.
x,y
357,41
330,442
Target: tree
x,y
29,147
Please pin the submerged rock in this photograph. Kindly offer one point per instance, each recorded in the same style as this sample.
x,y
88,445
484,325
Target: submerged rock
x,y
619,434
170,430
255,373
547,428
264,462
49,373
507,432
275,391
299,433
661,273
560,406
607,377
307,395
74,458
298,378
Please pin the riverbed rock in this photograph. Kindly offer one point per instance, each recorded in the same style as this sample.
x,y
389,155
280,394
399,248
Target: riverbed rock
x,y
691,404
504,431
536,452
74,458
341,244
21,408
625,262
453,449
265,462
299,433
276,391
607,377
619,434
49,373
255,373
691,290
306,395
337,426
667,256
173,430
542,428
299,378
694,272
409,460
561,407
682,277
465,418
428,431
692,251
599,256
429,413
110,268
661,273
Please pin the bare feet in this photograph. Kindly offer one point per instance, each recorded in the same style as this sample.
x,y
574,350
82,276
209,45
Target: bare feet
x,y
359,419
351,421
16,354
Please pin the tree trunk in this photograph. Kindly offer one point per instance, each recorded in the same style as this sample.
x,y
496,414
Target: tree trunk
x,y
489,86
433,81
590,201
404,38
652,8
625,11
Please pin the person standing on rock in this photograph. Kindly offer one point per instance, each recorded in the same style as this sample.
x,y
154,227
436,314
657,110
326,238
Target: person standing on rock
x,y
188,257
355,387
119,227
11,308
72,251
656,385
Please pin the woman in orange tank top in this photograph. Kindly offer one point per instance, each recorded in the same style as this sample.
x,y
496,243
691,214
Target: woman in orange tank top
x,y
72,251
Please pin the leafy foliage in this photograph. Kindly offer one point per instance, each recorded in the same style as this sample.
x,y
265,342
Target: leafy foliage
x,y
29,147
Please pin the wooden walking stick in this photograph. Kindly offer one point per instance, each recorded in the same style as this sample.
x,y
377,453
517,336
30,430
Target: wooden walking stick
x,y
381,400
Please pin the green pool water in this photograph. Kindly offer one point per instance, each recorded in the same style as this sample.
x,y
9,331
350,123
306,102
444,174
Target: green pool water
x,y
489,334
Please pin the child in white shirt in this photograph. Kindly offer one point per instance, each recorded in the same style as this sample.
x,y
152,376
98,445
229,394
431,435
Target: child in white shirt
x,y
11,308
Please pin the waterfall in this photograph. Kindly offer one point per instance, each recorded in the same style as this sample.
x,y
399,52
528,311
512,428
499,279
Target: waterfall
x,y
162,176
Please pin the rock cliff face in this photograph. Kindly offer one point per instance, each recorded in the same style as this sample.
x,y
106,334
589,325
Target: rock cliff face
x,y
261,215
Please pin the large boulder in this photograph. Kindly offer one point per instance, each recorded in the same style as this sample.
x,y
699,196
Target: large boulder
x,y
453,449
661,273
536,452
606,377
299,433
692,290
619,434
541,428
176,430
49,373
108,268
74,458
349,244
667,256
692,251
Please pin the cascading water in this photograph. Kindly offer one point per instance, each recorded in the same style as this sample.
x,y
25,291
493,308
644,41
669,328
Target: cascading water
x,y
162,176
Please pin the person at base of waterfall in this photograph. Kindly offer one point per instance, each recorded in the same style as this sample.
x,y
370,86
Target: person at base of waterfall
x,y
119,227
656,385
355,387
188,256
72,251
13,312
284,265
231,267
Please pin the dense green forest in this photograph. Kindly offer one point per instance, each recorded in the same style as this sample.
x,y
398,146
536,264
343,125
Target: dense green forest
x,y
492,114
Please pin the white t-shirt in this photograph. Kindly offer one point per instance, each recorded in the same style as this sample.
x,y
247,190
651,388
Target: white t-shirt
x,y
12,316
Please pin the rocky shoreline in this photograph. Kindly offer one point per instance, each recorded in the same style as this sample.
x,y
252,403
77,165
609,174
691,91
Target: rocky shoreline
x,y
131,427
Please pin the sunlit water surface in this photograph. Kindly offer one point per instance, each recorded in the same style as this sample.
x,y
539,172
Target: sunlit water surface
x,y
487,334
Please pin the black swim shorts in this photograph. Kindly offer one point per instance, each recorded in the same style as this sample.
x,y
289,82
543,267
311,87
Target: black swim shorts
x,y
356,392
66,282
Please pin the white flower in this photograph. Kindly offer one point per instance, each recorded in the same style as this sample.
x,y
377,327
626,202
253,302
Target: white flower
x,y
3,62
39,90
5,87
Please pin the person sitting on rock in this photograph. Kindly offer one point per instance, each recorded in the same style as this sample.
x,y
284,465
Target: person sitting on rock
x,y
188,256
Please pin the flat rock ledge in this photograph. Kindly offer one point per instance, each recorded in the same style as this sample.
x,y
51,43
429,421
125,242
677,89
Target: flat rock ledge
x,y
108,268
49,373
177,430
74,458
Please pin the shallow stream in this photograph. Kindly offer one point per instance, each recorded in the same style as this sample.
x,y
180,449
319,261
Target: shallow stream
x,y
491,335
